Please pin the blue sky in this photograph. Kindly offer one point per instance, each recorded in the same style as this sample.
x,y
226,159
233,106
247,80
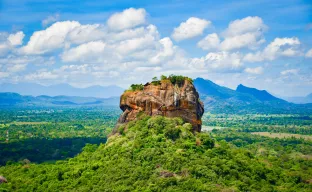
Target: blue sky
x,y
261,44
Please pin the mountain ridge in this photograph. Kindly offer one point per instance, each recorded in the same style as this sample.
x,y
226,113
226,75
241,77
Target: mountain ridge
x,y
216,98
62,89
15,99
261,95
221,99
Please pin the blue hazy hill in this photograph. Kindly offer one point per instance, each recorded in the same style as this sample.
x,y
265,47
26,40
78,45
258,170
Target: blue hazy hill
x,y
62,89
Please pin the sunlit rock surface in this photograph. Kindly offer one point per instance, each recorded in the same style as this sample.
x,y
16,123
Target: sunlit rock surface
x,y
166,99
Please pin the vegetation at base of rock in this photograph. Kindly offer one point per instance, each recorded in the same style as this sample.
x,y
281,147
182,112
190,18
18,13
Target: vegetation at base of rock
x,y
162,154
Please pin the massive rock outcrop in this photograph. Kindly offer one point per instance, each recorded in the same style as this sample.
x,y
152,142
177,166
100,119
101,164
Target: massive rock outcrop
x,y
163,98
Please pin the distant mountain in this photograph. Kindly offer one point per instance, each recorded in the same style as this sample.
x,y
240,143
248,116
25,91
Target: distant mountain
x,y
261,95
15,99
216,98
300,100
207,87
62,89
221,99
211,91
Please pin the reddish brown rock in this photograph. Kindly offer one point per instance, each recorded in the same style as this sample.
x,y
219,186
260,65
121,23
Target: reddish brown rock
x,y
166,99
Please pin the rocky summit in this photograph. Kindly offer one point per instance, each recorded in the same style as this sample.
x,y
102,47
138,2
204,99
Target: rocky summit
x,y
174,96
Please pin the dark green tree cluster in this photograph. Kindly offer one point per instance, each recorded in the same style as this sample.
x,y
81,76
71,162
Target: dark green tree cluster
x,y
174,79
136,87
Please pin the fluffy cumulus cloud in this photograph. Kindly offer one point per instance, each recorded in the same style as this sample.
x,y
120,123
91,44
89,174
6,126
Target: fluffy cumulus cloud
x,y
190,28
84,52
50,39
241,33
129,18
256,70
309,53
219,61
210,42
246,32
245,25
17,38
166,51
287,47
9,41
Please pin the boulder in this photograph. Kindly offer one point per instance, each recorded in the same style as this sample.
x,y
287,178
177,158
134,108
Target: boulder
x,y
163,98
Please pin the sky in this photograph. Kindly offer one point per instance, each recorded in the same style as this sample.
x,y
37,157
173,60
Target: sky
x,y
262,43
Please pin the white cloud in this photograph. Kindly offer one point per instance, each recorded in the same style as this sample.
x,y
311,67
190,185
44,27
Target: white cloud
x,y
129,50
211,41
17,38
16,68
256,70
309,53
218,61
129,18
135,44
190,28
84,52
4,74
288,47
18,63
166,51
52,38
246,32
250,40
139,44
50,19
9,41
241,33
290,71
253,57
245,25
4,49
282,46
41,75
85,33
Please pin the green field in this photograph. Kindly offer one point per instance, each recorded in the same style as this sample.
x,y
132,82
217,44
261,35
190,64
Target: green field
x,y
283,135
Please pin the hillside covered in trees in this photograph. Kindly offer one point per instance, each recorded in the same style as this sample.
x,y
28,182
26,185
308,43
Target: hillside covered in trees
x,y
161,154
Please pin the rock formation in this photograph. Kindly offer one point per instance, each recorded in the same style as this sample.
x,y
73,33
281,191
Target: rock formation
x,y
163,98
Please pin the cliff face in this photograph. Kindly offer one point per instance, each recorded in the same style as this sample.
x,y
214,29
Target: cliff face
x,y
166,99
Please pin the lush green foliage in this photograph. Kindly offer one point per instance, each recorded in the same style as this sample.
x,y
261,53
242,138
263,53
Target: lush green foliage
x,y
174,79
161,154
136,87
41,135
178,79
